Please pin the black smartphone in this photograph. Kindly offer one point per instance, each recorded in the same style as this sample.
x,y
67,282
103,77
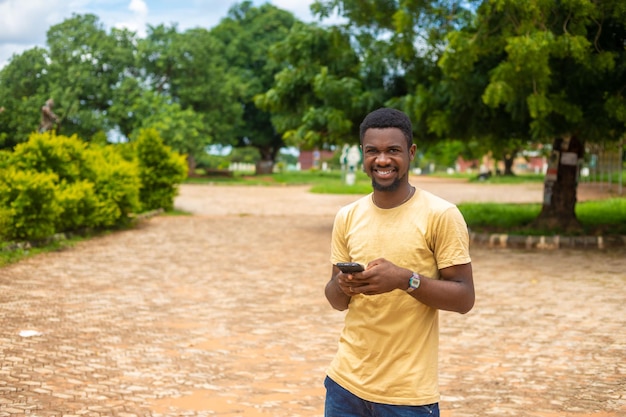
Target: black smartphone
x,y
349,267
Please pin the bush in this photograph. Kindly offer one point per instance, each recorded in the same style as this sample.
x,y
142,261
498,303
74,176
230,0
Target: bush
x,y
160,171
28,207
79,204
46,152
116,186
59,184
54,184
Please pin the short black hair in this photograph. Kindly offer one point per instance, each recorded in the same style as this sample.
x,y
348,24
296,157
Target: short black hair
x,y
386,117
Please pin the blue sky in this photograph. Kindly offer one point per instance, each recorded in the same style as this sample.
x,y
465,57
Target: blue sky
x,y
24,23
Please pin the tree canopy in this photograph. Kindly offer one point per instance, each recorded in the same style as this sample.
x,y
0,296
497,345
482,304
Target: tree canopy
x,y
494,73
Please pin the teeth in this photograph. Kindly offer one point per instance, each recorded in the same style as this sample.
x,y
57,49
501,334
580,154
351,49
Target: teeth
x,y
384,172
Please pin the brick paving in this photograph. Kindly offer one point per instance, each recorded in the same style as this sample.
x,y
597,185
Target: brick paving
x,y
222,314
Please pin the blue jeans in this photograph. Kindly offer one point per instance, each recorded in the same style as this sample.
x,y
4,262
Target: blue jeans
x,y
342,403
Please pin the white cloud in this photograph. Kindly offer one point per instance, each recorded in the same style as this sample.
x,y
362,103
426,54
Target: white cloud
x,y
301,9
26,22
138,6
137,21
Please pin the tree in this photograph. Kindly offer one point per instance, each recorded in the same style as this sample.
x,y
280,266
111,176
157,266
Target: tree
x,y
505,73
23,86
191,69
318,96
248,33
555,71
402,41
86,65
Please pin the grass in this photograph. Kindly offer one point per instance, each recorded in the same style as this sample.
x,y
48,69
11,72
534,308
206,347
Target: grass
x,y
12,252
320,182
606,217
600,217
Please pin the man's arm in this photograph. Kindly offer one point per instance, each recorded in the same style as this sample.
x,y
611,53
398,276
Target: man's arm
x,y
337,291
453,291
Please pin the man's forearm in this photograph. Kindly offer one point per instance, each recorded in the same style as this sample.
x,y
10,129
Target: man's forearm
x,y
335,296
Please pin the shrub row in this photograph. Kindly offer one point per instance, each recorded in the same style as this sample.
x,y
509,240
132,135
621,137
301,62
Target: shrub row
x,y
55,184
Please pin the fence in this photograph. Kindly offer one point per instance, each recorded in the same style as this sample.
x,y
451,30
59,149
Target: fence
x,y
605,167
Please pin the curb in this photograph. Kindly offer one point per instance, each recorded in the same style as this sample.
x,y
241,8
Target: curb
x,y
503,241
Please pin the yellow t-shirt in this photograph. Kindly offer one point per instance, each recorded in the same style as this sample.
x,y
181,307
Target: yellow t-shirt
x,y
388,349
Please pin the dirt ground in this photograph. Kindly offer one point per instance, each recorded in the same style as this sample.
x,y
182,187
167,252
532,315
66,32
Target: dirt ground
x,y
222,313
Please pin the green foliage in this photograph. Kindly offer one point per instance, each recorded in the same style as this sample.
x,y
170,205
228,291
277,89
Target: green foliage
x,y
318,97
188,68
603,216
160,171
180,129
552,68
597,217
248,34
444,154
5,158
47,152
79,205
246,154
28,207
87,65
498,217
24,83
54,184
116,185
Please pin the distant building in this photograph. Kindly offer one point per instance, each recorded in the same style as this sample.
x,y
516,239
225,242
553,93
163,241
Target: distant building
x,y
313,159
529,164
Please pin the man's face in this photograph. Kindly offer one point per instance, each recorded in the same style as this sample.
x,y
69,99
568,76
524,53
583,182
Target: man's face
x,y
386,159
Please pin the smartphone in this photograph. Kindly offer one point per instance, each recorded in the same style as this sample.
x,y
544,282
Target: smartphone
x,y
349,267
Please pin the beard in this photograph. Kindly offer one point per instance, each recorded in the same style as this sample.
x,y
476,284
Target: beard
x,y
388,188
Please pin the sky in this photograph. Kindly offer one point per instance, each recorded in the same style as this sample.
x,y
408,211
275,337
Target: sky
x,y
24,23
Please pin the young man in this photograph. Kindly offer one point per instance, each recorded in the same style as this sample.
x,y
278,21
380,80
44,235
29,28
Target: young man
x,y
415,248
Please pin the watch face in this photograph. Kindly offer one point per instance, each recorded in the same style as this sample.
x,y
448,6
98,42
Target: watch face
x,y
414,282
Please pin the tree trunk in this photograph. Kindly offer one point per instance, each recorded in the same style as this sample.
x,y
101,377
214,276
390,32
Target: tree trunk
x,y
508,159
191,166
560,187
266,164
264,167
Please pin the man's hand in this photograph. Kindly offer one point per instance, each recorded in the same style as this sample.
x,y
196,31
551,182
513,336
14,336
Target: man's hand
x,y
380,276
349,282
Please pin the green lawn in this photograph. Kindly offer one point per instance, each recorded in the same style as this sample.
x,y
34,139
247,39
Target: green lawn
x,y
602,217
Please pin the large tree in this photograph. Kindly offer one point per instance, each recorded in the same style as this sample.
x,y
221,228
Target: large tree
x,y
189,70
248,34
87,63
319,96
402,41
544,72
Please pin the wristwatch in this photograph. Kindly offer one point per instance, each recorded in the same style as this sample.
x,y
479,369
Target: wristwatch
x,y
414,282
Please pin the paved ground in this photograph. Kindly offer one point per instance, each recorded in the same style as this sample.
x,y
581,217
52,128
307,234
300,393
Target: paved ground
x,y
222,314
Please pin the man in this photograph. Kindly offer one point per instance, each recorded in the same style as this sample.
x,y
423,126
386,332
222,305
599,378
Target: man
x,y
416,250
48,118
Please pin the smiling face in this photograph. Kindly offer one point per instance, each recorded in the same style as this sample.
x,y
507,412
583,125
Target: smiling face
x,y
387,157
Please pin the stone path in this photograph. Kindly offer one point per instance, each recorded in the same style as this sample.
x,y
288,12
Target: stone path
x,y
222,314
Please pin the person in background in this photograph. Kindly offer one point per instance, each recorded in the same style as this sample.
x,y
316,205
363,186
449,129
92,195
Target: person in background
x,y
415,248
